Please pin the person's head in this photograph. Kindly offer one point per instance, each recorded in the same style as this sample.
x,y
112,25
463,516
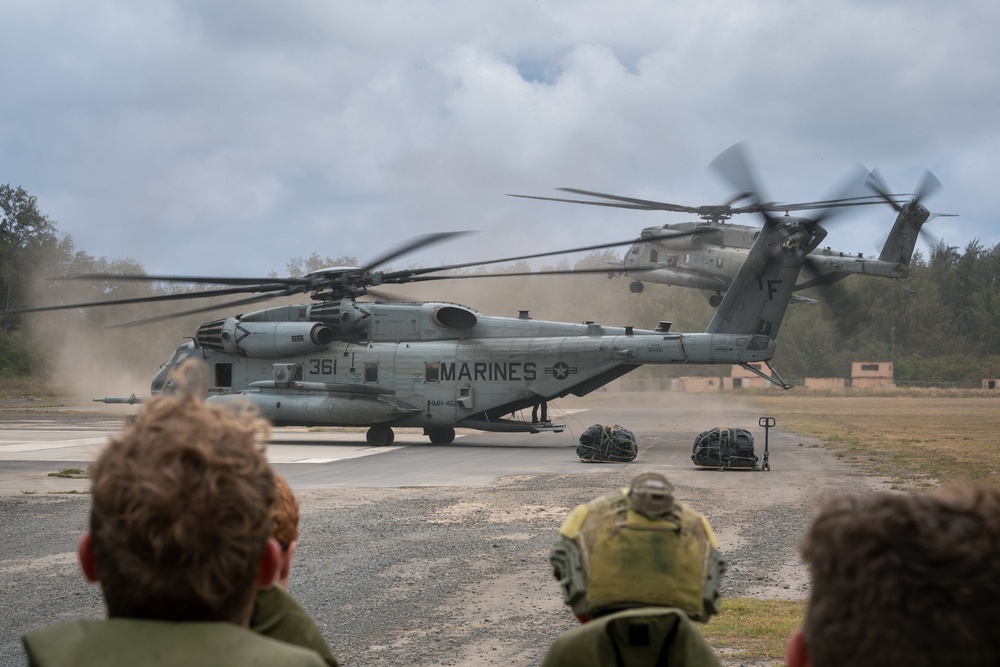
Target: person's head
x,y
637,547
180,521
903,579
285,526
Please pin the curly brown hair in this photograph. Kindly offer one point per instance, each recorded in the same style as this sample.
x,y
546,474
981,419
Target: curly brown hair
x,y
181,511
905,579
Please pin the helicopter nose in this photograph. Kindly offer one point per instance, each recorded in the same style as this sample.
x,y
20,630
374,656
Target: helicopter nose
x,y
159,380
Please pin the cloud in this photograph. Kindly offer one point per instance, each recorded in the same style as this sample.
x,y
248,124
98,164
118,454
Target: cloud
x,y
197,137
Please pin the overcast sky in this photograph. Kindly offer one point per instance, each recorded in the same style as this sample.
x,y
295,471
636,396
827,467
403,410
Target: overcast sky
x,y
201,137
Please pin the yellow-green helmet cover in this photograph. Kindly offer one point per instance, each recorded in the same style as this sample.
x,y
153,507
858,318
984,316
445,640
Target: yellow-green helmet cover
x,y
614,553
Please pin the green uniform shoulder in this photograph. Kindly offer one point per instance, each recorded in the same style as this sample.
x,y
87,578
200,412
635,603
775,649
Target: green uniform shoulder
x,y
642,636
276,614
120,641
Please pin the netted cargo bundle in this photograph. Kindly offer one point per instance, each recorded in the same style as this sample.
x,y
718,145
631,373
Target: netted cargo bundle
x,y
724,448
601,443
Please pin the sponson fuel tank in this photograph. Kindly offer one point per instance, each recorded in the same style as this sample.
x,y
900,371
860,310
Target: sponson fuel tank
x,y
302,408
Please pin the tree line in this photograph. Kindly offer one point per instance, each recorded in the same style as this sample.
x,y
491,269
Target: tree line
x,y
947,331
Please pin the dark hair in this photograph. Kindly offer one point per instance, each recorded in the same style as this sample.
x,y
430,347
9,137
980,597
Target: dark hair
x,y
905,579
181,512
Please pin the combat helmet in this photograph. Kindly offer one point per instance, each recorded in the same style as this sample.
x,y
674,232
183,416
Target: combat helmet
x,y
638,547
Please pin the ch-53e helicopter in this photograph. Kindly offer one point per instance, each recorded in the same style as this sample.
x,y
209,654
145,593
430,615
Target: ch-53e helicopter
x,y
340,361
707,255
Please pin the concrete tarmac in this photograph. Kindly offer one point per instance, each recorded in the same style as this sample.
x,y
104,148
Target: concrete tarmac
x,y
338,458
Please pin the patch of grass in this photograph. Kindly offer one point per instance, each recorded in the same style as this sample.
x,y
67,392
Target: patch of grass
x,y
750,628
916,441
29,387
71,473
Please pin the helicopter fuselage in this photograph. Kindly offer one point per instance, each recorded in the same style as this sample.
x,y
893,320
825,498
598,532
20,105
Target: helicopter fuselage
x,y
710,258
431,365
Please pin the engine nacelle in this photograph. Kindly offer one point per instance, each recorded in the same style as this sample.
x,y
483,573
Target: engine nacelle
x,y
453,317
681,236
347,319
265,340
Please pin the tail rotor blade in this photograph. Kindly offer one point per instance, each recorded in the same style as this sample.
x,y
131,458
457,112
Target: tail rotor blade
x,y
928,186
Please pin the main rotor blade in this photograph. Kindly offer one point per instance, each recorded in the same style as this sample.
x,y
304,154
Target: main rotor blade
x,y
609,204
848,190
194,280
203,309
549,272
876,184
864,200
411,246
278,289
733,165
708,210
406,274
646,204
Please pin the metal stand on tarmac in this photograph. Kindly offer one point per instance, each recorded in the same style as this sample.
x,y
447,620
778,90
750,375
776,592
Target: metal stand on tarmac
x,y
767,423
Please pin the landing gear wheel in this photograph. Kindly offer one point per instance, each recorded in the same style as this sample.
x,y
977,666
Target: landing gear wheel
x,y
636,287
379,436
715,300
441,435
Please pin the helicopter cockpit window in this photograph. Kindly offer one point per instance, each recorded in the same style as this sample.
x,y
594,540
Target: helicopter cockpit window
x,y
179,355
371,372
432,372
